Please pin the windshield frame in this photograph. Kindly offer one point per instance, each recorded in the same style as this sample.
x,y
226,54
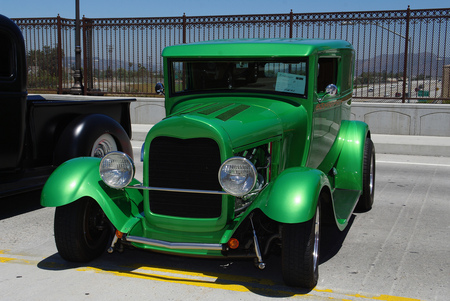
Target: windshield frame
x,y
279,87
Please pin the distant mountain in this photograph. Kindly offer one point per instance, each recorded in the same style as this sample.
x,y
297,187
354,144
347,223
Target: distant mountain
x,y
422,63
104,64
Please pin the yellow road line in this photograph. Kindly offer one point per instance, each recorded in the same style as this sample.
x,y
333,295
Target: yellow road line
x,y
248,284
216,281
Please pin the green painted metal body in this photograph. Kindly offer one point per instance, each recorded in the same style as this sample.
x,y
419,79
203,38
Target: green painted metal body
x,y
313,145
79,178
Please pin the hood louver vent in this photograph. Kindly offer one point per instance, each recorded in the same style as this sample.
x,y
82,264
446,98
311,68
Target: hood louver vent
x,y
214,108
233,112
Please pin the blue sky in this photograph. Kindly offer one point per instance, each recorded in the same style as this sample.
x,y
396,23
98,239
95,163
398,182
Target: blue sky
x,y
169,8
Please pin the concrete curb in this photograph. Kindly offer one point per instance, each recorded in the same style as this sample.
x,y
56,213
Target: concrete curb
x,y
412,145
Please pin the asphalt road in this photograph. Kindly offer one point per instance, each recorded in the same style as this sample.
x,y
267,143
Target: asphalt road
x,y
398,250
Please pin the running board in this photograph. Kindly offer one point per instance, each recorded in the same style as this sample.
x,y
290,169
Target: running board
x,y
344,203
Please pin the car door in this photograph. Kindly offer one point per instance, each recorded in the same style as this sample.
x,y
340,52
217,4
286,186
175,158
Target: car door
x,y
327,110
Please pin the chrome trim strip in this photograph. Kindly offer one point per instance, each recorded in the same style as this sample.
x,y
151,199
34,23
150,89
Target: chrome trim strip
x,y
177,190
174,245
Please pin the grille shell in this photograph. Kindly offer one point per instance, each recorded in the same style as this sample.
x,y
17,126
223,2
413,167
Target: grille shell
x,y
185,164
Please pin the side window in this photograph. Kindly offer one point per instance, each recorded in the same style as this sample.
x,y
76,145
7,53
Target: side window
x,y
328,68
6,57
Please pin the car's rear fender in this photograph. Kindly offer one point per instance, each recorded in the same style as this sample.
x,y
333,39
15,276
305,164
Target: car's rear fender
x,y
78,137
79,178
349,165
293,196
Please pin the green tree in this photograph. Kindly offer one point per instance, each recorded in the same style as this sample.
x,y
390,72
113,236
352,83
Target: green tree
x,y
121,73
142,71
109,72
45,60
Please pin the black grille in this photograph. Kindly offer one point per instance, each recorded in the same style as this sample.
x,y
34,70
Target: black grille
x,y
186,164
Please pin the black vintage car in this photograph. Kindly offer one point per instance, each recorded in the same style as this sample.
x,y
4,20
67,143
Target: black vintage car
x,y
40,132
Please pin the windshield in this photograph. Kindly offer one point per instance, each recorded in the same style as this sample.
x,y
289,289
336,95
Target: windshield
x,y
198,76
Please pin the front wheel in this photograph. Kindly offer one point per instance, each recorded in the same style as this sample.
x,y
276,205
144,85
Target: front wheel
x,y
82,231
300,252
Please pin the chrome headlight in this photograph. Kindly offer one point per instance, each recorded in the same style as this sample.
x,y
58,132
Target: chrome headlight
x,y
117,170
237,176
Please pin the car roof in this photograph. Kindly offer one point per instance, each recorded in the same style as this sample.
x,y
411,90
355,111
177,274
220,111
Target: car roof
x,y
241,48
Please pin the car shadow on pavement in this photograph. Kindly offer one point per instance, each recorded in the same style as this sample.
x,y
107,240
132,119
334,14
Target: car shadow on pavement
x,y
331,240
229,274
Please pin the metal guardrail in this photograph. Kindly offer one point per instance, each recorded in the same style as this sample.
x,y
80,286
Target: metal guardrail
x,y
401,56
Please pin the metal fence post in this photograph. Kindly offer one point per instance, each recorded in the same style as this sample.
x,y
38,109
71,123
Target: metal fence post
x,y
59,45
83,32
405,64
184,28
87,55
291,24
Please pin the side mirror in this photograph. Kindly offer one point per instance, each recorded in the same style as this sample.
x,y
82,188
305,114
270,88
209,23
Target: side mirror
x,y
159,88
331,89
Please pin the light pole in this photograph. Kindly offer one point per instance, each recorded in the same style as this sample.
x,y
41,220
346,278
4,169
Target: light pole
x,y
77,88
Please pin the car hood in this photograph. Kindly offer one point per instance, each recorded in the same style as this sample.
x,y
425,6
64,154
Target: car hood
x,y
241,121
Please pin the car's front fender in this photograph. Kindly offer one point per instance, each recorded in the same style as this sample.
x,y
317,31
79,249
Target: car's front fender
x,y
293,196
79,178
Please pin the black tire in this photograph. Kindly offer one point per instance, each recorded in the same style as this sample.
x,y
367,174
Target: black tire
x,y
300,252
82,231
365,201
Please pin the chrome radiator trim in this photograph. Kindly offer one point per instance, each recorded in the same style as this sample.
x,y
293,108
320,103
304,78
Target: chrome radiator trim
x,y
177,190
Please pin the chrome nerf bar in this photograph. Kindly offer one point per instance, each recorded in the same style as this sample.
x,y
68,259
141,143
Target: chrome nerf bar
x,y
173,245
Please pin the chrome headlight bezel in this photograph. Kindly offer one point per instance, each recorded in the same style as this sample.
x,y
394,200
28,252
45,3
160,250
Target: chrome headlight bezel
x,y
117,170
237,176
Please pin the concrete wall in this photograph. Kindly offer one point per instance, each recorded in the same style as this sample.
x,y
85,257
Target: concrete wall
x,y
404,119
147,110
394,119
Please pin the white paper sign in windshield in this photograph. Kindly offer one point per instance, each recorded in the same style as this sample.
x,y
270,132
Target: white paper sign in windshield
x,y
290,83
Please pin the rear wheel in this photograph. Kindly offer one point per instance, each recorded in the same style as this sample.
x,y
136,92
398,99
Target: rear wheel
x,y
82,231
300,252
365,201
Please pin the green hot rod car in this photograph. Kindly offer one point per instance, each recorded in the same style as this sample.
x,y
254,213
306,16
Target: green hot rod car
x,y
257,153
